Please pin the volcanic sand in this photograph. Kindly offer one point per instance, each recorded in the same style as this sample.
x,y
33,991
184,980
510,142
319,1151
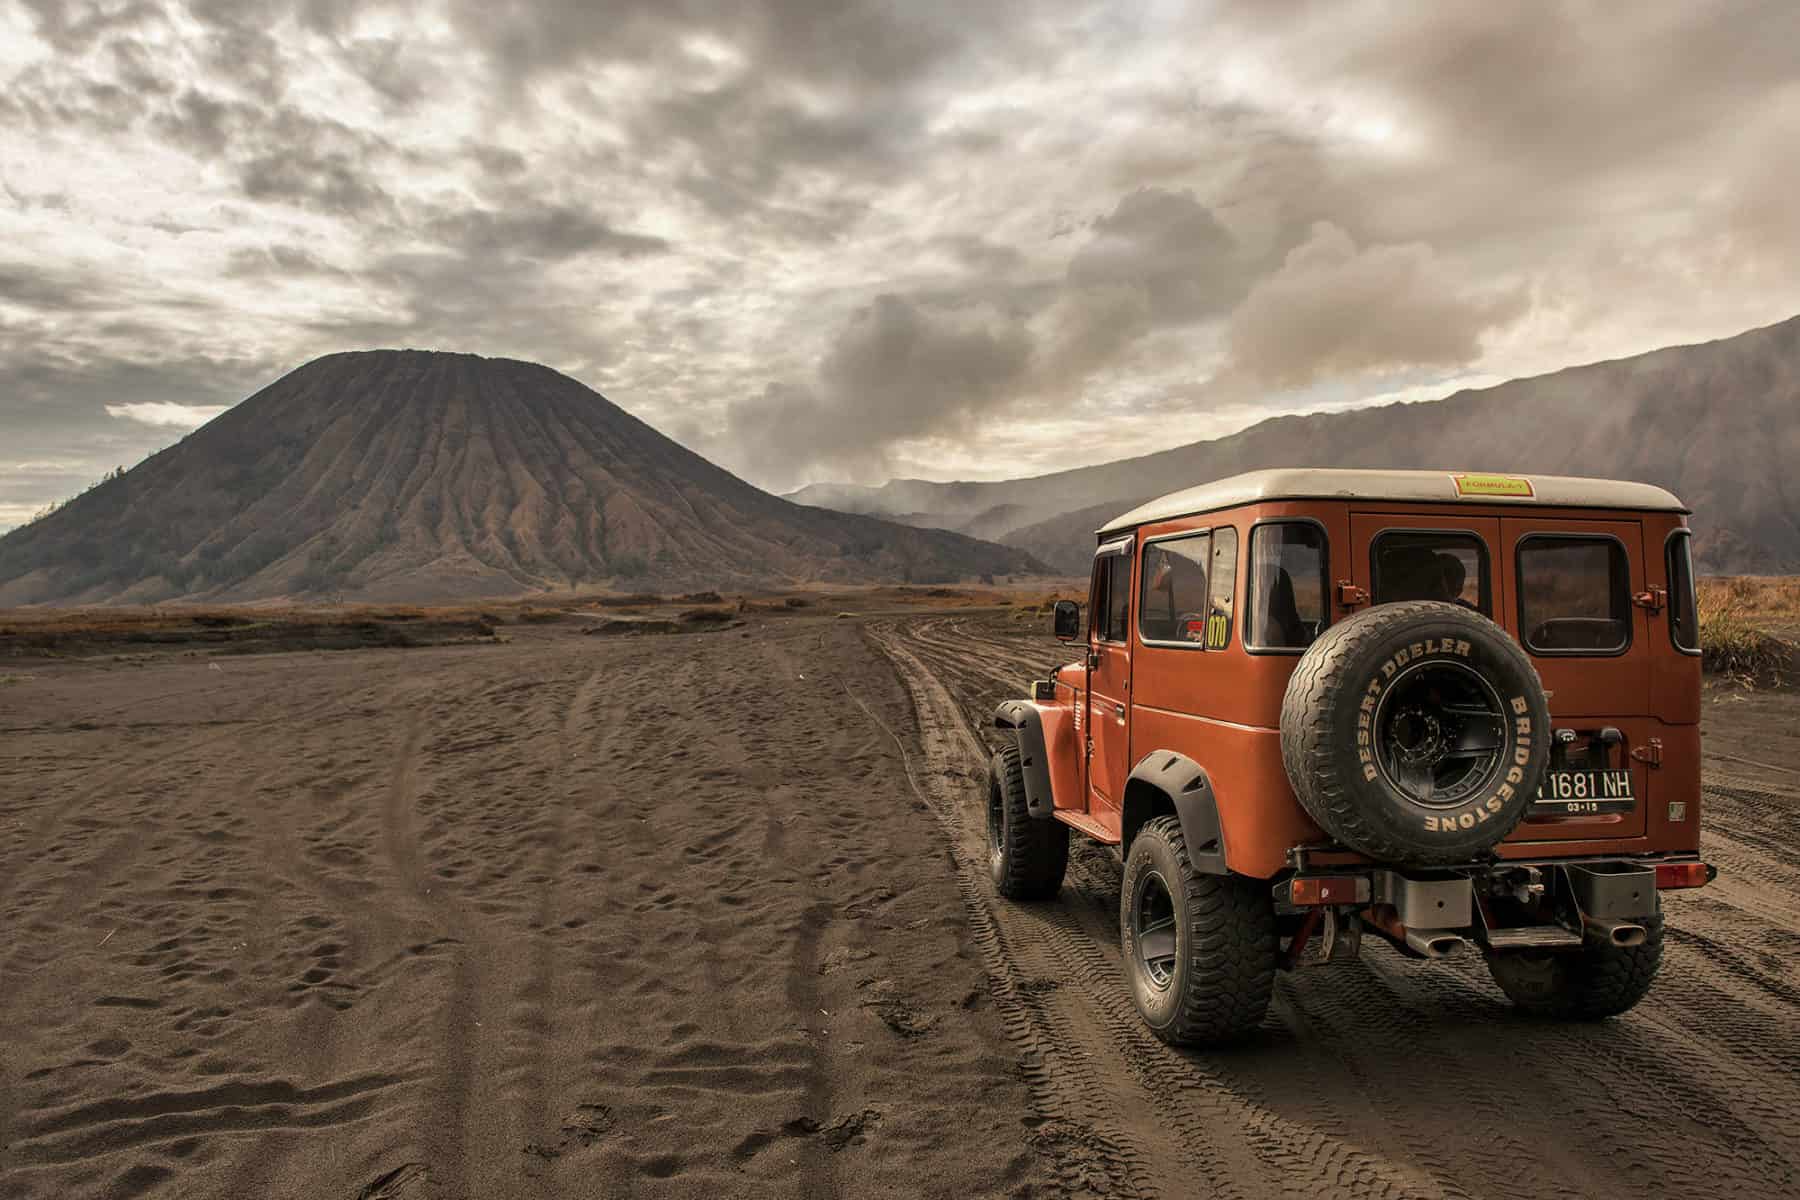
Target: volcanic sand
x,y
566,917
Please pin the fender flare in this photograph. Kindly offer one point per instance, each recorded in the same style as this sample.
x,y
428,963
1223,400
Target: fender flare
x,y
1164,779
1021,719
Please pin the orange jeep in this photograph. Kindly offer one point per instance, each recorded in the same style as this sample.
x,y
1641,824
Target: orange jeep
x,y
1439,708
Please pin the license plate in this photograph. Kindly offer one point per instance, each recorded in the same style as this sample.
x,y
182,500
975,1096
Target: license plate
x,y
1579,793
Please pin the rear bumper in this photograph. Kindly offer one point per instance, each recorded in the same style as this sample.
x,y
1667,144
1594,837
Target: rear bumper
x,y
1545,902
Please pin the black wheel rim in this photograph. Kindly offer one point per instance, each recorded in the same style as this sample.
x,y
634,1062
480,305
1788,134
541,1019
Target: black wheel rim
x,y
1153,930
1439,734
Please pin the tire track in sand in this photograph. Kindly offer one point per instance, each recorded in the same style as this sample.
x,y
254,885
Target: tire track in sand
x,y
534,1006
1188,1116
1423,1071
1169,1117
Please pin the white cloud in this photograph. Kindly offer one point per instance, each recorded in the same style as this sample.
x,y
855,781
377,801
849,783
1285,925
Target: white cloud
x,y
178,416
687,205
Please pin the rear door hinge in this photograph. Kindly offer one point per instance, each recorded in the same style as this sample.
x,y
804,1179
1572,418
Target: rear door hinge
x,y
1650,752
1350,596
1652,599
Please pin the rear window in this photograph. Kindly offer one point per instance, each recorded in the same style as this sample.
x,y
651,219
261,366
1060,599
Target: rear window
x,y
1286,597
1431,565
1187,591
1684,612
1574,595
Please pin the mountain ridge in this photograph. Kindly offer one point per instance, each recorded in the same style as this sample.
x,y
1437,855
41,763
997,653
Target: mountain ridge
x,y
1714,422
424,475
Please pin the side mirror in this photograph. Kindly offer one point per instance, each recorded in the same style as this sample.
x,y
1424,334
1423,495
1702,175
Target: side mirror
x,y
1066,619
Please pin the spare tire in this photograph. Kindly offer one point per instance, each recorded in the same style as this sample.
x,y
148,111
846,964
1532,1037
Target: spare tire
x,y
1416,733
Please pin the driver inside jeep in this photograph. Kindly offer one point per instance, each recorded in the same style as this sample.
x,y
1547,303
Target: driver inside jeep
x,y
1420,573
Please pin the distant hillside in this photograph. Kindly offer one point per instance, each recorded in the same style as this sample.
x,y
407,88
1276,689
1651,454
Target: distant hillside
x,y
409,475
1718,424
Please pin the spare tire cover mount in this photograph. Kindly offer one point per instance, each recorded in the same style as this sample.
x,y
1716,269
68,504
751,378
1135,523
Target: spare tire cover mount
x,y
1415,732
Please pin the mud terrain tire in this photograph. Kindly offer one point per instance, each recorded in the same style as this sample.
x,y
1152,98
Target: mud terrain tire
x,y
1027,855
1599,980
1387,705
1210,984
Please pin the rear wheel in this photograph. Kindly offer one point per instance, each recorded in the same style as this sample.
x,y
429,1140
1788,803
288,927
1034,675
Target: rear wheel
x,y
1599,980
1027,855
1199,949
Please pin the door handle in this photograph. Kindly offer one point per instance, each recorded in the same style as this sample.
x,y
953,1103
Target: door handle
x,y
1119,711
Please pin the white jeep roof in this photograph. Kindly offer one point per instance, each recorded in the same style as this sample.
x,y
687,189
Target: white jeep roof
x,y
1455,487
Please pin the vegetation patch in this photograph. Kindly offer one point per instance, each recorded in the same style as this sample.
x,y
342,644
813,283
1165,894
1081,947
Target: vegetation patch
x,y
1739,616
541,616
86,633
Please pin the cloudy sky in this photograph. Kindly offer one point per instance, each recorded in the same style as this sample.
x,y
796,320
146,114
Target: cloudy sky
x,y
822,240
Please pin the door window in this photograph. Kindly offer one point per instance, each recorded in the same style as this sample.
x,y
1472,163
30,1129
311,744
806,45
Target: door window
x,y
1111,607
1574,595
1287,590
1431,565
1175,589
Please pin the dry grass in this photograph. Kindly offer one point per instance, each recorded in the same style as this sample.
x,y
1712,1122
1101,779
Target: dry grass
x,y
1736,613
236,629
1764,597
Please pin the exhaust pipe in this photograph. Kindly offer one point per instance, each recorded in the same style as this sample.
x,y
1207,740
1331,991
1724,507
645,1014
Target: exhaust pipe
x,y
1437,943
1619,933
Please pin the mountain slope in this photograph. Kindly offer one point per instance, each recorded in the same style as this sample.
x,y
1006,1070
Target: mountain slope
x,y
1717,423
419,475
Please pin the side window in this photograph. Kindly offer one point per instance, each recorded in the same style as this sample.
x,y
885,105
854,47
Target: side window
x,y
1117,626
1574,595
1172,604
1684,611
1286,596
1427,565
1224,588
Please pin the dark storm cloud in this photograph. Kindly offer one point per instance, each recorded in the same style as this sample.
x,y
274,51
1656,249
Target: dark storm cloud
x,y
1335,309
1170,245
330,181
59,435
1574,112
894,371
47,289
541,231
389,67
282,262
862,44
75,25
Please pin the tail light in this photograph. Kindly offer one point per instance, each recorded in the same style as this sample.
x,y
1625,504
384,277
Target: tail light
x,y
1328,889
1683,875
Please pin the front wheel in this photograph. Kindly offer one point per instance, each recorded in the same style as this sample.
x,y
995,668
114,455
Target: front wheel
x,y
1027,855
1199,949
1599,980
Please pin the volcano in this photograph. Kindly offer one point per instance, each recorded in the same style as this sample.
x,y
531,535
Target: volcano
x,y
404,475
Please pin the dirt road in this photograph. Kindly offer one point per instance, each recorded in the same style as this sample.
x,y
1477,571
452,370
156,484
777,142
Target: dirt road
x,y
568,917
1382,1077
703,916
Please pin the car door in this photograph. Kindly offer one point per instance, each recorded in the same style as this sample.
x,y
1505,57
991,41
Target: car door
x,y
1571,588
1109,681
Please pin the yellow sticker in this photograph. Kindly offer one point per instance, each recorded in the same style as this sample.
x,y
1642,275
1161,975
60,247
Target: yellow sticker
x,y
1492,485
